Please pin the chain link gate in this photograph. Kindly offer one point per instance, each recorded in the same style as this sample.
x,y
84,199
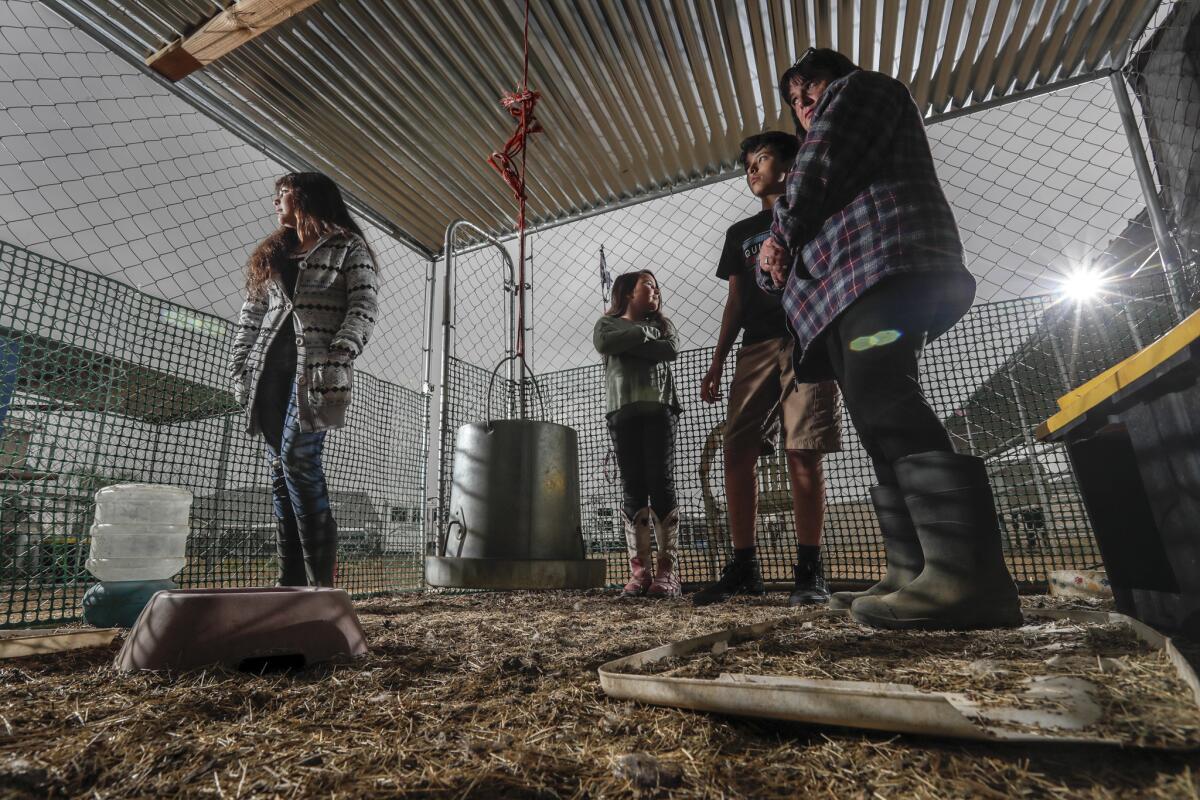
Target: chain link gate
x,y
478,275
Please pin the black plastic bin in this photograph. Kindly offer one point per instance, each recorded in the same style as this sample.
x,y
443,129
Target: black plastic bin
x,y
1133,436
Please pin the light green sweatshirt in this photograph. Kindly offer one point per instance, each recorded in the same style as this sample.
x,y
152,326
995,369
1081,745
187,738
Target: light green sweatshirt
x,y
637,375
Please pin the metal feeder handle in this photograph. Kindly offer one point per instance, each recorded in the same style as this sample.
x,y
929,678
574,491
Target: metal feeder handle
x,y
462,532
532,379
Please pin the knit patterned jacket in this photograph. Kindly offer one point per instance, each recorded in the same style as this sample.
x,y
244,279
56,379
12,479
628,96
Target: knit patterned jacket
x,y
335,305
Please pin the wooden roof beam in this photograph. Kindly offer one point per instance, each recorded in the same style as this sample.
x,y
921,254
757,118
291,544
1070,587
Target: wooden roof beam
x,y
227,31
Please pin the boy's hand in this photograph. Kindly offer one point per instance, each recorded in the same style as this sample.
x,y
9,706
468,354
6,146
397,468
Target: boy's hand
x,y
772,260
710,385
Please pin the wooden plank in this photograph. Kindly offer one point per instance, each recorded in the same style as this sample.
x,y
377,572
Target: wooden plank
x,y
18,644
222,34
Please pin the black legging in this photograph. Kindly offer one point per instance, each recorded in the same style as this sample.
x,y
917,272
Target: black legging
x,y
645,446
874,347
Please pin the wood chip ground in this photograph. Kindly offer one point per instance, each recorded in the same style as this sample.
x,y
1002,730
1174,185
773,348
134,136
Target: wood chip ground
x,y
491,695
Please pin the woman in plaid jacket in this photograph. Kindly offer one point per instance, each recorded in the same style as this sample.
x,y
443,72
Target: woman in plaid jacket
x,y
311,302
866,252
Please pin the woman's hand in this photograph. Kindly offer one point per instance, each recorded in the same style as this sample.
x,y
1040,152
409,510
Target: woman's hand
x,y
772,259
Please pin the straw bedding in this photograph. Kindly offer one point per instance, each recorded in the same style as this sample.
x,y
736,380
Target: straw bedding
x,y
490,695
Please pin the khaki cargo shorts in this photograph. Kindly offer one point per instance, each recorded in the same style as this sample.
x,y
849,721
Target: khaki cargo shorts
x,y
764,397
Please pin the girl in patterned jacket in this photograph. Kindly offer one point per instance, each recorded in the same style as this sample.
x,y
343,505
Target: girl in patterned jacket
x,y
311,303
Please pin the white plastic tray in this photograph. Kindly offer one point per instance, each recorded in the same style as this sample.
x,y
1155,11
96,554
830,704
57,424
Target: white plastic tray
x,y
898,708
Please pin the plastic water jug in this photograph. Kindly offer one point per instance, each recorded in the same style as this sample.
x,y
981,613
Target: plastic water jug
x,y
140,533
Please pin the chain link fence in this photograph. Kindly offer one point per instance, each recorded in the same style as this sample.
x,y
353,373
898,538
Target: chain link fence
x,y
125,219
1045,189
127,215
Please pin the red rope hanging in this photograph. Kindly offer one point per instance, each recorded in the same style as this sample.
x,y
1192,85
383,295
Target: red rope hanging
x,y
520,104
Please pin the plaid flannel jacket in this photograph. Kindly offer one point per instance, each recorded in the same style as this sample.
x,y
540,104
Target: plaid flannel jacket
x,y
862,203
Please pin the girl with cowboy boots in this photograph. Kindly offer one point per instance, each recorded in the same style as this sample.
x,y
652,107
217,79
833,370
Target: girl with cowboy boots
x,y
637,341
867,255
311,302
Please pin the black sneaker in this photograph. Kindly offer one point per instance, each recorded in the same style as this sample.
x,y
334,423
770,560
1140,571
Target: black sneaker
x,y
810,581
737,577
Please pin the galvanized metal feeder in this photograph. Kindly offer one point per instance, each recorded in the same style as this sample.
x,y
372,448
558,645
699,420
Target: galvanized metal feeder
x,y
514,511
513,519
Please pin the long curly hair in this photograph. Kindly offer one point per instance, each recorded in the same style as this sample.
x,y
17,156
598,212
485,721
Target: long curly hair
x,y
622,290
320,210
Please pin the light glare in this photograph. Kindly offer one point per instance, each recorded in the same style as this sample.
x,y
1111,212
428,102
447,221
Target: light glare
x,y
1083,284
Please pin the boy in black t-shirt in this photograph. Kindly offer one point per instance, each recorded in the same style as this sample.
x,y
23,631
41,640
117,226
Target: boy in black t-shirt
x,y
764,394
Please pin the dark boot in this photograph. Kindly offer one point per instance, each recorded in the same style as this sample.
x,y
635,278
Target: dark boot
x,y
904,559
737,577
287,536
810,578
965,584
318,538
291,556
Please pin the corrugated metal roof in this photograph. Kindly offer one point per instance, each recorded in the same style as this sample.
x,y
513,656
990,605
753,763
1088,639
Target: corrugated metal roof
x,y
398,99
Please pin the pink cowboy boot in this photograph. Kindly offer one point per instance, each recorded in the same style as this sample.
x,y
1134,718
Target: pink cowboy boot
x,y
666,577
637,546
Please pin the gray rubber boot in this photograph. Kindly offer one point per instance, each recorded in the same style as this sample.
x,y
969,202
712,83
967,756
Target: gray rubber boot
x,y
900,543
291,556
318,539
965,584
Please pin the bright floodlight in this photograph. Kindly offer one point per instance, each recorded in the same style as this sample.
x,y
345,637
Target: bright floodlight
x,y
1083,284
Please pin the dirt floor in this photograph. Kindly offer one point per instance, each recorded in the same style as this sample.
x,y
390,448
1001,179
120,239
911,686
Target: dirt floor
x,y
491,695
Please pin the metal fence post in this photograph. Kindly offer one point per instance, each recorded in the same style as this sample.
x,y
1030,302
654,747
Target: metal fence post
x,y
447,324
1167,249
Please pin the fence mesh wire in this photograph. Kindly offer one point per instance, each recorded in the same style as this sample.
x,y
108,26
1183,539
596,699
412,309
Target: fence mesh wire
x,y
1043,189
990,394
106,384
130,213
127,216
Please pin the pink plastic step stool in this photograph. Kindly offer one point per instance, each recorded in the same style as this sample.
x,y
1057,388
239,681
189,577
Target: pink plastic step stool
x,y
242,628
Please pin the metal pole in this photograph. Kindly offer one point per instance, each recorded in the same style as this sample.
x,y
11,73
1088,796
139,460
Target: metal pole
x,y
1061,362
427,393
1031,453
447,286
526,320
515,371
223,463
1127,315
1167,250
1048,329
430,292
